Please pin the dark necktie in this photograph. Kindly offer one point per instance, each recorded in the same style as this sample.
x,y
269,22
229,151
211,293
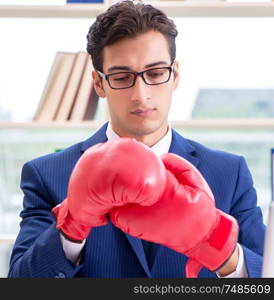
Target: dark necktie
x,y
147,247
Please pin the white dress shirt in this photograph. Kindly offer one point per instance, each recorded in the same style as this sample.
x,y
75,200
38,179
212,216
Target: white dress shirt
x,y
73,250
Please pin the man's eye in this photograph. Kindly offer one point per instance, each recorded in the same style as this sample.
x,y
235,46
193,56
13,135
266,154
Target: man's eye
x,y
121,78
155,74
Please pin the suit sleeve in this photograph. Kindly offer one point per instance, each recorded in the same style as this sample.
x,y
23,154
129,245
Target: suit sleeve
x,y
250,220
38,251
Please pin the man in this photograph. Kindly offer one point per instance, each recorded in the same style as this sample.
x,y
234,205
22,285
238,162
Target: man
x,y
85,208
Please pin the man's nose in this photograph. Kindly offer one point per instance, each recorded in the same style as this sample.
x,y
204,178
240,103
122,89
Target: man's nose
x,y
140,91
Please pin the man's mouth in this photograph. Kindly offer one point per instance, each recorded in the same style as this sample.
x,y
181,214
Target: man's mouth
x,y
143,112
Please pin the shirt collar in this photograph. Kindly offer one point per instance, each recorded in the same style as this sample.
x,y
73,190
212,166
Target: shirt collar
x,y
161,147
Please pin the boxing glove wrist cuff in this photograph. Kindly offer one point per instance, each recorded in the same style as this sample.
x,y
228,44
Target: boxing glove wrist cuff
x,y
67,225
70,239
215,250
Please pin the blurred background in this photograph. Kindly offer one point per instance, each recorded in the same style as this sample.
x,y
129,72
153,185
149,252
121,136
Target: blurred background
x,y
225,99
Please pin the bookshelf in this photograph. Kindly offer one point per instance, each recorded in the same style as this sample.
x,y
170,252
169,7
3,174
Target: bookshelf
x,y
201,124
174,8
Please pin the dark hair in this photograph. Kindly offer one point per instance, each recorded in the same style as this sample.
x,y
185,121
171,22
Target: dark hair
x,y
127,19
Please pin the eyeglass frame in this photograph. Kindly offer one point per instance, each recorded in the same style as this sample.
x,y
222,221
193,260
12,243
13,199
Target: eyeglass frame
x,y
136,74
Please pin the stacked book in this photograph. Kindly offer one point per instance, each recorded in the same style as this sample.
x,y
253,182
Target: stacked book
x,y
69,93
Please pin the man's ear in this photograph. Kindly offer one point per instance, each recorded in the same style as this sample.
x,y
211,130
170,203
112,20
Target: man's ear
x,y
98,85
176,75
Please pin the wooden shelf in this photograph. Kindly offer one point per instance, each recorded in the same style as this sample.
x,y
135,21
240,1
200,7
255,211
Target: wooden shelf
x,y
252,124
52,11
241,124
53,125
7,238
214,8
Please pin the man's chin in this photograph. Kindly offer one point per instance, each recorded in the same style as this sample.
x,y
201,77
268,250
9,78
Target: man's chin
x,y
145,129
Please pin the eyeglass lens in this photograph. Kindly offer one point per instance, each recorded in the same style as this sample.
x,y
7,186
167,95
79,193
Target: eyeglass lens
x,y
151,76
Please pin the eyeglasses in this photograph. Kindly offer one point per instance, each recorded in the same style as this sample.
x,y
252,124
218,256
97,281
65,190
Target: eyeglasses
x,y
125,80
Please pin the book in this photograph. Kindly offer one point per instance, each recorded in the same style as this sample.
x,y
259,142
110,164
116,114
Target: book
x,y
86,99
55,86
91,107
72,87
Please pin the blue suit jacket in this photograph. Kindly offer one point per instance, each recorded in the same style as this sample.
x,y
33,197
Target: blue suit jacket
x,y
109,252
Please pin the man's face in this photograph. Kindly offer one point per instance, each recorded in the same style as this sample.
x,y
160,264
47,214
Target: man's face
x,y
141,110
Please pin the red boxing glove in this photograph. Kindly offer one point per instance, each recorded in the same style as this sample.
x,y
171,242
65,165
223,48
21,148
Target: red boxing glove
x,y
109,174
184,219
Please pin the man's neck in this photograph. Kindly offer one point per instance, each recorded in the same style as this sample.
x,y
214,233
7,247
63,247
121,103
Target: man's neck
x,y
149,139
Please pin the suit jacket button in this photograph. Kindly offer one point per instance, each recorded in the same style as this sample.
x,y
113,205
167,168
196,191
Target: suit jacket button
x,y
60,275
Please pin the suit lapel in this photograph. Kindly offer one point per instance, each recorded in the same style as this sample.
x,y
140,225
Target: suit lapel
x,y
138,248
98,137
183,148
